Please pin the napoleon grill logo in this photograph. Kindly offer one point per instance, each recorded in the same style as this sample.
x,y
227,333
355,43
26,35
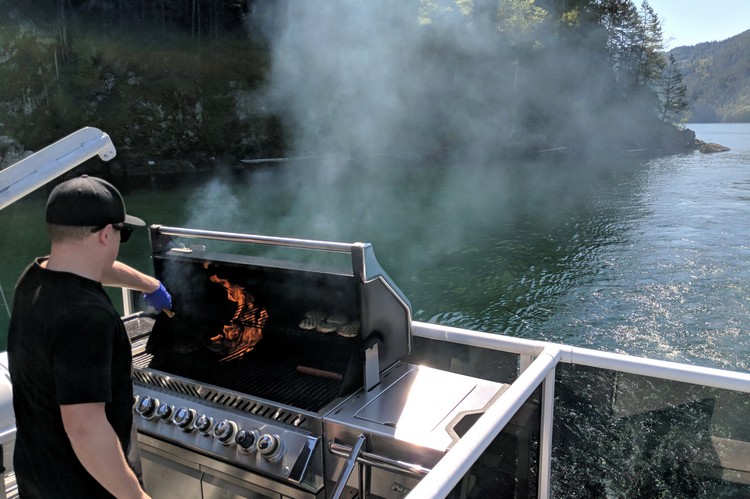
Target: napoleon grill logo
x,y
397,487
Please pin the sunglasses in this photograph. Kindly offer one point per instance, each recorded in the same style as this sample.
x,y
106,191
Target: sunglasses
x,y
124,230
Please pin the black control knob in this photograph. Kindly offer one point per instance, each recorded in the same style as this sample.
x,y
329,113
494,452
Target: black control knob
x,y
164,411
203,424
247,440
183,418
224,431
271,447
147,407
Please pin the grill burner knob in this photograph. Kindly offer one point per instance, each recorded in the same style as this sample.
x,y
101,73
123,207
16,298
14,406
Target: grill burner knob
x,y
147,407
164,411
247,440
203,424
271,447
225,430
183,418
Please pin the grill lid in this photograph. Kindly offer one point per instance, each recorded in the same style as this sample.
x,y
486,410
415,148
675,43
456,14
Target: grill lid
x,y
238,314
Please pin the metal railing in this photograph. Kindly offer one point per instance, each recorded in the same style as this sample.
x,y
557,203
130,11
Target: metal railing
x,y
538,360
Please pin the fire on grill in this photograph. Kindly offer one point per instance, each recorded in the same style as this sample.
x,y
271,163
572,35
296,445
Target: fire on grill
x,y
245,328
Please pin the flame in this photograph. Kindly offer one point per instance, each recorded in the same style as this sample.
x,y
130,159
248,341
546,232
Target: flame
x,y
245,328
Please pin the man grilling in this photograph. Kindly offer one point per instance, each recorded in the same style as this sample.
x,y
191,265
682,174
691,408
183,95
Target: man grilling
x,y
69,353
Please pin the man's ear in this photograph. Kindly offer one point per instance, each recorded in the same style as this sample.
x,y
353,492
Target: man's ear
x,y
105,235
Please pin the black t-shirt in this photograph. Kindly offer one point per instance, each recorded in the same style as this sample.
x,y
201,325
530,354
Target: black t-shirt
x,y
66,345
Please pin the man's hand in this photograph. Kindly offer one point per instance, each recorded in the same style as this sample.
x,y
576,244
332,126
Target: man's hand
x,y
160,299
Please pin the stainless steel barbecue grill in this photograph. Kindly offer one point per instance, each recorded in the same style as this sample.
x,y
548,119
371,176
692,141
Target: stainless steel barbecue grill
x,y
277,378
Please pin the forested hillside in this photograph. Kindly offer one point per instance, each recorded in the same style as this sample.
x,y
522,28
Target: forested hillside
x,y
239,79
717,76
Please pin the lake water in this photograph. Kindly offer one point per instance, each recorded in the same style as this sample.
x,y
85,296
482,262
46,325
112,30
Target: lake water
x,y
645,256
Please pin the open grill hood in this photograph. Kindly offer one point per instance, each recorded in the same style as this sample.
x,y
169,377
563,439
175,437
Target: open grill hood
x,y
239,319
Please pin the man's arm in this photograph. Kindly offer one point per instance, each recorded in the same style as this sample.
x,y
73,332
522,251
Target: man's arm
x,y
98,449
124,276
127,277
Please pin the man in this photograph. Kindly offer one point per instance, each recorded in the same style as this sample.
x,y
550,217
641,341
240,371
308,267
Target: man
x,y
69,353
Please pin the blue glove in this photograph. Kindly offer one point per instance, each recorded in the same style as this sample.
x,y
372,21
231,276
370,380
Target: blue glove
x,y
159,299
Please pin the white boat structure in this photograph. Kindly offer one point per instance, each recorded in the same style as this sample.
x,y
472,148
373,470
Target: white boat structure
x,y
434,411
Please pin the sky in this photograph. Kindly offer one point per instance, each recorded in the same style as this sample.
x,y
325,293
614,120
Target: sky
x,y
689,22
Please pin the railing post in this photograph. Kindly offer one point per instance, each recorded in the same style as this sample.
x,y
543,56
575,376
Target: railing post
x,y
524,361
545,438
127,302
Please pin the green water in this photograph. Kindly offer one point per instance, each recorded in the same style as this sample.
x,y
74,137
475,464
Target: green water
x,y
645,256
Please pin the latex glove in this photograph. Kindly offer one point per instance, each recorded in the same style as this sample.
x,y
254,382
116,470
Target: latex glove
x,y
159,299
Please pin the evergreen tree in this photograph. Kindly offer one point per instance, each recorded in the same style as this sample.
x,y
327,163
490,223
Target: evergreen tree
x,y
622,22
651,60
673,92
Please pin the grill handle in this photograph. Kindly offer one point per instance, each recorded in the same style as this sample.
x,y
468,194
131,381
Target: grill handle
x,y
288,242
365,266
348,468
381,462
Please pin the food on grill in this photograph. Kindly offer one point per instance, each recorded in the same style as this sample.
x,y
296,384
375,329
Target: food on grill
x,y
337,319
321,373
326,327
349,330
323,323
309,323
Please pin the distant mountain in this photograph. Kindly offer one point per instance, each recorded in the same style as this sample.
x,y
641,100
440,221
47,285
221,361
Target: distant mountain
x,y
717,75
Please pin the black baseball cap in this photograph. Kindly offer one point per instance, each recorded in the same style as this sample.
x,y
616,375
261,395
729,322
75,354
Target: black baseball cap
x,y
88,202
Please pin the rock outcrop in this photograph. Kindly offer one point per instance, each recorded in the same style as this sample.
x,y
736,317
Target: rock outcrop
x,y
710,147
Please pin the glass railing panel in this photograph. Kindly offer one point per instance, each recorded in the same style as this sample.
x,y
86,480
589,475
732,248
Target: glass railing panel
x,y
623,435
492,365
509,466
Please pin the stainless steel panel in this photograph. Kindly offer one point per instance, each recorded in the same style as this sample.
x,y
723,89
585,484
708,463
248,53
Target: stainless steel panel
x,y
390,485
188,475
420,400
415,406
167,475
296,443
221,488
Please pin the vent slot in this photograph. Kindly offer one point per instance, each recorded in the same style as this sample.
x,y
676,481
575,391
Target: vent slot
x,y
217,397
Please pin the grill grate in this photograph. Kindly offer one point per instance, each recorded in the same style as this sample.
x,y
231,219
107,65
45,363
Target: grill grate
x,y
269,370
259,378
138,327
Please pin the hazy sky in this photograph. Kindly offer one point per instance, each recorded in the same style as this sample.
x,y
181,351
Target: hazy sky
x,y
689,22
